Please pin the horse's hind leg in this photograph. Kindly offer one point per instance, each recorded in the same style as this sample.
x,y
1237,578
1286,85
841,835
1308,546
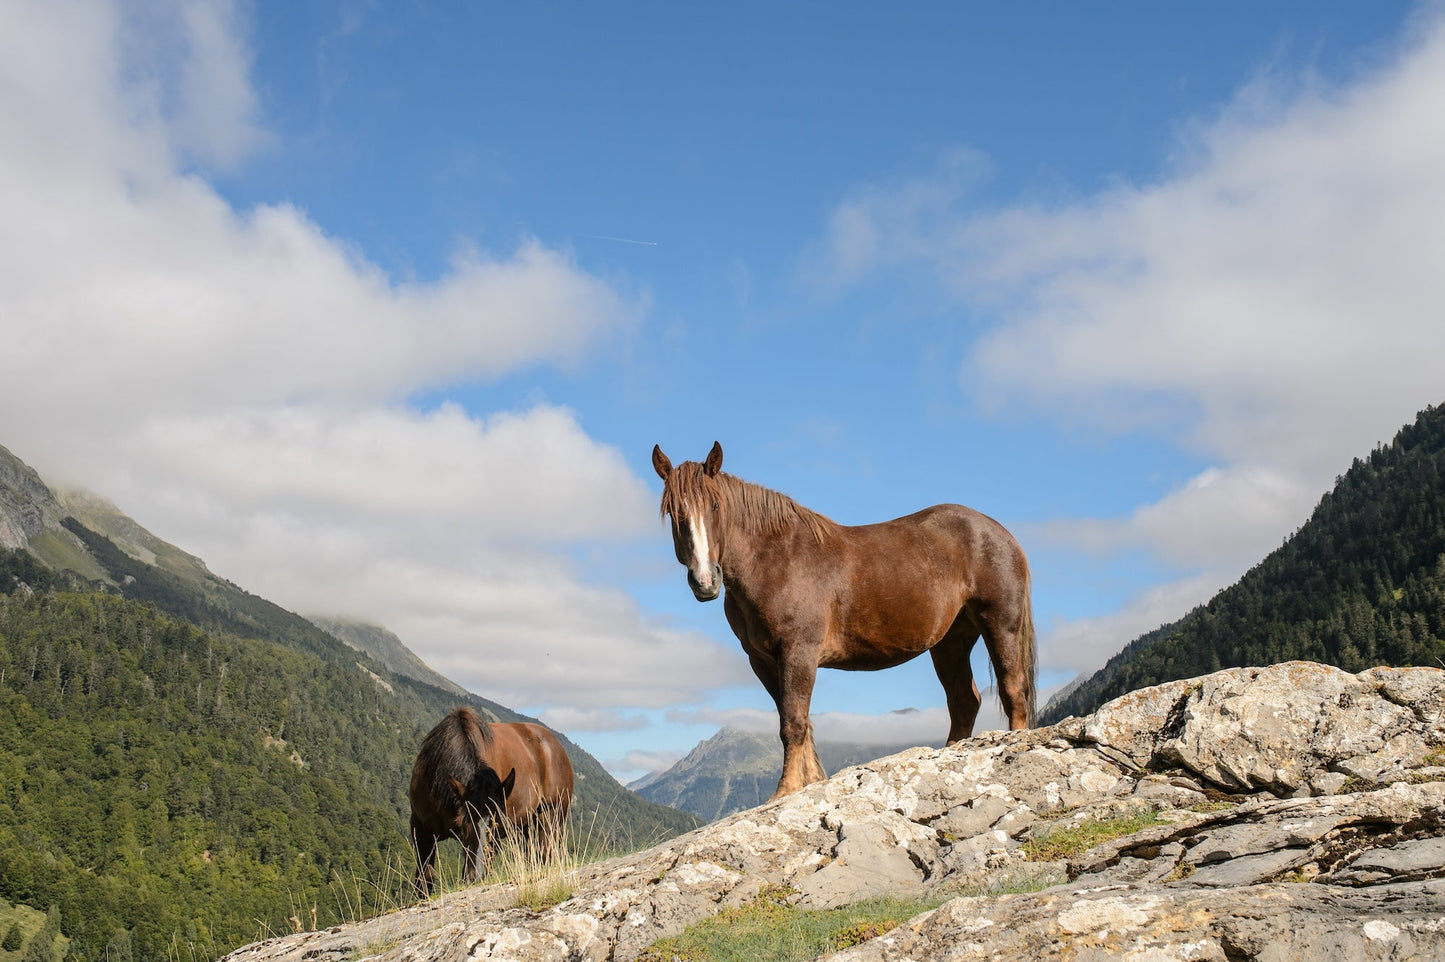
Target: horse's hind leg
x,y
1011,668
955,673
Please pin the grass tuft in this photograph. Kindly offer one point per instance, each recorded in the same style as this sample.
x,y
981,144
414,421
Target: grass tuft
x,y
769,930
1062,842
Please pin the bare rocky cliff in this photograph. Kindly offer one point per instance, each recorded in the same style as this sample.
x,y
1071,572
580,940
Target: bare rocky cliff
x,y
1290,812
32,519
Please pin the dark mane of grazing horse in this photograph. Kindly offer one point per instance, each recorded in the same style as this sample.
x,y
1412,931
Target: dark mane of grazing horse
x,y
455,749
749,505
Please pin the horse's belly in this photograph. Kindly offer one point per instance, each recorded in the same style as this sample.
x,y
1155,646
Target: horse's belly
x,y
861,653
891,628
867,660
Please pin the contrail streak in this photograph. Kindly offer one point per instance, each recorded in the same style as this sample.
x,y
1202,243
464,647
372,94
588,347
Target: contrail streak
x,y
620,240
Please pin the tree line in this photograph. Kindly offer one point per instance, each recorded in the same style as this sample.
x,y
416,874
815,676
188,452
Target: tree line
x,y
1361,584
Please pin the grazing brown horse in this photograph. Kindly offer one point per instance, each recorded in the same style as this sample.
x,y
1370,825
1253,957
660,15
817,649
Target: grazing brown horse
x,y
458,791
805,592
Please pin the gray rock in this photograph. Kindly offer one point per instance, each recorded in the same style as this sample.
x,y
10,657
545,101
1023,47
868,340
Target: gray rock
x,y
1416,859
1245,856
867,858
1246,869
1141,924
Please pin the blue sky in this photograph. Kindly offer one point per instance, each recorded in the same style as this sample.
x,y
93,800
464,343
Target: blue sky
x,y
380,308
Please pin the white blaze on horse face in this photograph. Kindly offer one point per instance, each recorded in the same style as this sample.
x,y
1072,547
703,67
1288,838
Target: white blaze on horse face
x,y
701,563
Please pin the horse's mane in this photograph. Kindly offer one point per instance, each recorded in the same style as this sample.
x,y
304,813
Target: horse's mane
x,y
751,506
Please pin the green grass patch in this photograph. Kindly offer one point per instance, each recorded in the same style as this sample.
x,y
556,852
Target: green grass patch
x,y
20,926
25,921
770,930
1066,841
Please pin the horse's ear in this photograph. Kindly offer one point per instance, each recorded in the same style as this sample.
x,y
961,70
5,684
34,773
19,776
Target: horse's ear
x,y
459,788
509,783
660,462
713,464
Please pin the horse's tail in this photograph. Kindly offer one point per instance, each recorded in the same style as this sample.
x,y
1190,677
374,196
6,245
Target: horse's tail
x,y
1028,647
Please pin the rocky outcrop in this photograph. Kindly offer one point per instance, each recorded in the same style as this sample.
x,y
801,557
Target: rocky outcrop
x,y
26,505
1268,814
32,519
385,647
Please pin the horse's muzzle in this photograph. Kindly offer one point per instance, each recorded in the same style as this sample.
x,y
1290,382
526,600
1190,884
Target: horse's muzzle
x,y
711,591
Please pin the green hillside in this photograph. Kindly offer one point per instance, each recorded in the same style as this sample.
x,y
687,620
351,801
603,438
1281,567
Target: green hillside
x,y
190,593
185,766
159,782
1362,583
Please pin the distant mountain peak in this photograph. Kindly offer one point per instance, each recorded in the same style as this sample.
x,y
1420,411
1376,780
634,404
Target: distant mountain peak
x,y
385,647
735,770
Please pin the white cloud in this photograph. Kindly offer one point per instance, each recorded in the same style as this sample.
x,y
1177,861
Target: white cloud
x,y
1217,520
189,63
1083,645
236,380
135,282
525,475
635,764
1272,302
591,720
892,223
927,726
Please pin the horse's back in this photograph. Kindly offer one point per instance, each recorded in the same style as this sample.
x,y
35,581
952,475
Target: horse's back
x,y
544,772
951,539
954,521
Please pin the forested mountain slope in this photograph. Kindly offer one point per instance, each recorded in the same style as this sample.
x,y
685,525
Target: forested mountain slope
x,y
185,766
1362,583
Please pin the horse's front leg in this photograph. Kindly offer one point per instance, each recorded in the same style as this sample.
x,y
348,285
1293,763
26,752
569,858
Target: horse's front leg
x,y
426,850
477,839
787,671
801,765
474,843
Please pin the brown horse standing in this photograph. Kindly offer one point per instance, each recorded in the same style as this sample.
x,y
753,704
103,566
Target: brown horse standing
x,y
458,791
805,592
